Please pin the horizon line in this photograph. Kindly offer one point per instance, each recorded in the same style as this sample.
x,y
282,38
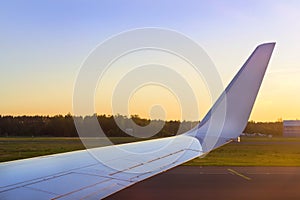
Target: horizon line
x,y
129,117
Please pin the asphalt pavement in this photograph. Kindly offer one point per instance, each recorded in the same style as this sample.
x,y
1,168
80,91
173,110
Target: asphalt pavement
x,y
189,182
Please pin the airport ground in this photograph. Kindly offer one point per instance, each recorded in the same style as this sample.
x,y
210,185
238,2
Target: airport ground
x,y
255,168
251,151
213,183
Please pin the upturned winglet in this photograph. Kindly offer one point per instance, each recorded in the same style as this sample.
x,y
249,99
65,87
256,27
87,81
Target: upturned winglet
x,y
229,115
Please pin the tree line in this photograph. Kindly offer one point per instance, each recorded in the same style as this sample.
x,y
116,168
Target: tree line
x,y
268,128
63,126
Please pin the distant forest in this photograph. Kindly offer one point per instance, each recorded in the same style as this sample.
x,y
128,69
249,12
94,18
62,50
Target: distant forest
x,y
63,126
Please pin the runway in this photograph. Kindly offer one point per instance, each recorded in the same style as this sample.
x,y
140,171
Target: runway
x,y
186,182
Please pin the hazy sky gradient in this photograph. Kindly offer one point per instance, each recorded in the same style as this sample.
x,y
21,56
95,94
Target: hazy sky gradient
x,y
43,44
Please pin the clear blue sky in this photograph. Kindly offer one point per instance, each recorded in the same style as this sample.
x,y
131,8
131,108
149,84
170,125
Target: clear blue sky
x,y
43,44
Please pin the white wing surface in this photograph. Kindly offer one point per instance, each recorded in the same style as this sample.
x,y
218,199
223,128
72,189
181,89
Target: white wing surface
x,y
99,172
79,175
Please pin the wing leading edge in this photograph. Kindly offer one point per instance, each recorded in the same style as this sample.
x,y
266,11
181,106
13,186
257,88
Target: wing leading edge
x,y
81,175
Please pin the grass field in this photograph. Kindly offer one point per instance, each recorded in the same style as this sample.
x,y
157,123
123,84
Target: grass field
x,y
249,152
254,152
19,147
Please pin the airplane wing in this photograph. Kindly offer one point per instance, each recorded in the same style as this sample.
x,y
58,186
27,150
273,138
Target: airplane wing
x,y
81,175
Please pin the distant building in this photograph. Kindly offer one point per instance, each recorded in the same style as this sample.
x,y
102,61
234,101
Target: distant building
x,y
291,128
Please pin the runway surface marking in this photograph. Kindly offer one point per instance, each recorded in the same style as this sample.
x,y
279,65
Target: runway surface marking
x,y
239,174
